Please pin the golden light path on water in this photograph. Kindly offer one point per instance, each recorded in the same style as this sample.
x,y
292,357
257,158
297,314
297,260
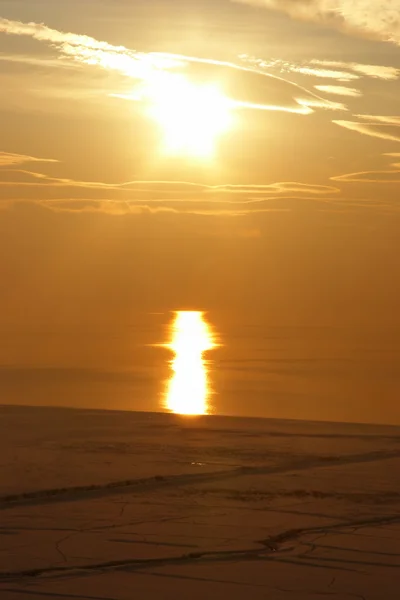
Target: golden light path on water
x,y
188,390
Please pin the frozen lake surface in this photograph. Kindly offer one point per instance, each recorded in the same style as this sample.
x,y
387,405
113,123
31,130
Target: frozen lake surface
x,y
114,506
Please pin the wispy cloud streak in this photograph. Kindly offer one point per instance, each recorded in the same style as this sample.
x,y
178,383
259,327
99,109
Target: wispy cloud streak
x,y
325,69
387,176
377,130
8,159
166,189
151,68
369,17
387,119
375,71
339,90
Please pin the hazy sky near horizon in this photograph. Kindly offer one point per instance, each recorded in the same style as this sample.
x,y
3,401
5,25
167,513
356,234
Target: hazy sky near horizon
x,y
237,157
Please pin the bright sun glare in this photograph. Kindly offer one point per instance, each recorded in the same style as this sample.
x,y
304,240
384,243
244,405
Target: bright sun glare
x,y
192,116
188,389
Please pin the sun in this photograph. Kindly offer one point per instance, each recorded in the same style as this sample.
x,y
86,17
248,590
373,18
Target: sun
x,y
192,116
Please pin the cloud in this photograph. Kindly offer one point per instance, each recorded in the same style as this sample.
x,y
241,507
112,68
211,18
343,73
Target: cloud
x,y
14,177
283,187
339,90
392,176
380,20
378,130
271,205
395,155
324,73
133,196
111,208
389,120
247,88
373,71
36,61
9,159
289,67
118,208
370,177
40,32
325,69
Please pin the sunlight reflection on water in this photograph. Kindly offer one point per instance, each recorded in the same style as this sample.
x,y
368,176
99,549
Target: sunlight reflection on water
x,y
188,390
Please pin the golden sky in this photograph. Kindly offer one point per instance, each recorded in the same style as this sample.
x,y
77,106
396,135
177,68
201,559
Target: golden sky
x,y
241,158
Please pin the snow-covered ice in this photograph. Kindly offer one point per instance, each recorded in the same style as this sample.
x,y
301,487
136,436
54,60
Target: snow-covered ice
x,y
115,506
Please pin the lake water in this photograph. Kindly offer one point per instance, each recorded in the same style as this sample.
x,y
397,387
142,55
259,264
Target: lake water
x,y
222,366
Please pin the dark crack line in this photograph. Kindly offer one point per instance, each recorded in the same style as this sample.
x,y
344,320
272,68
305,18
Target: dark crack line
x,y
308,592
122,510
314,565
294,534
155,543
321,593
358,550
58,546
63,540
71,494
268,547
134,564
194,578
99,528
53,594
17,529
311,545
365,563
